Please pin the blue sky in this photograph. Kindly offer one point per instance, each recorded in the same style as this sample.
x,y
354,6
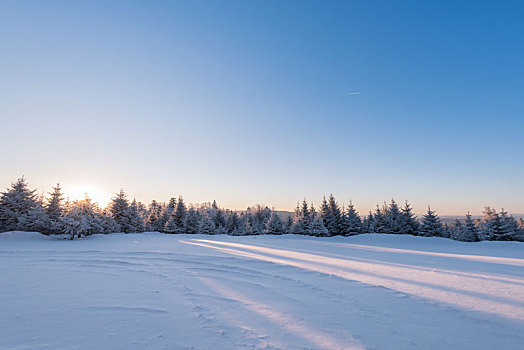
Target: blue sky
x,y
247,101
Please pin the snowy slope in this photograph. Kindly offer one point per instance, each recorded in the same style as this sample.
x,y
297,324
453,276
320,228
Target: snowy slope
x,y
155,291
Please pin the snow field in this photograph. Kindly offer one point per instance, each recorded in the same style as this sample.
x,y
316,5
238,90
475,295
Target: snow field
x,y
156,291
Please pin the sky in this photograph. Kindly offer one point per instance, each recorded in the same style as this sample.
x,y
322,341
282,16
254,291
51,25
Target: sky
x,y
267,101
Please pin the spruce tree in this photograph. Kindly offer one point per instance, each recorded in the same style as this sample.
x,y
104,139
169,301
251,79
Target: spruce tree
x,y
155,221
447,230
315,225
82,218
325,213
247,228
491,225
378,223
55,209
192,221
233,223
36,220
367,223
393,218
170,207
332,216
240,227
170,226
288,223
119,209
106,222
180,214
455,230
353,223
431,225
136,220
176,222
207,226
15,203
220,221
510,227
468,231
301,219
167,212
274,225
409,221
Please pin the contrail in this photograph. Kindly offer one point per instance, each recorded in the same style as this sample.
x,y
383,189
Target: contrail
x,y
353,93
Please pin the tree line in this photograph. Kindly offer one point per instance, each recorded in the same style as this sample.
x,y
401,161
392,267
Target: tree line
x,y
21,209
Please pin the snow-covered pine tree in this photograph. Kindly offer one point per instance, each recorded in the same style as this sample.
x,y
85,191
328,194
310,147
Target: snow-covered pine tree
x,y
510,226
378,224
315,224
328,217
288,223
246,218
207,226
168,211
468,230
119,209
258,216
106,221
431,225
170,226
36,220
239,224
136,220
176,222
192,221
409,221
262,215
15,203
301,219
491,226
152,215
274,225
220,221
55,202
233,223
496,228
367,223
247,228
332,216
447,231
155,221
455,230
81,219
393,218
142,210
55,209
353,223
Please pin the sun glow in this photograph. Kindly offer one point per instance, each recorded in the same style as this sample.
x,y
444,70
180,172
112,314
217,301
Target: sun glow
x,y
79,192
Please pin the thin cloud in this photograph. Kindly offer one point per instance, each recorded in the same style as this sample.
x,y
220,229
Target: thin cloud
x,y
353,93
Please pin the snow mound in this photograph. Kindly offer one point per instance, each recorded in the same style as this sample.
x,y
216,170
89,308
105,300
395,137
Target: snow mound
x,y
22,235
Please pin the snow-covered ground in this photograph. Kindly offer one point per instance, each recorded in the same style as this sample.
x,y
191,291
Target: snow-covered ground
x,y
155,291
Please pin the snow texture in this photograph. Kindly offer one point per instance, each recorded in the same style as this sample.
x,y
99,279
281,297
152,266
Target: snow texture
x,y
156,291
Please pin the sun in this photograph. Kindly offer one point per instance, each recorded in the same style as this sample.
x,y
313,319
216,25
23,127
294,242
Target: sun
x,y
79,191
